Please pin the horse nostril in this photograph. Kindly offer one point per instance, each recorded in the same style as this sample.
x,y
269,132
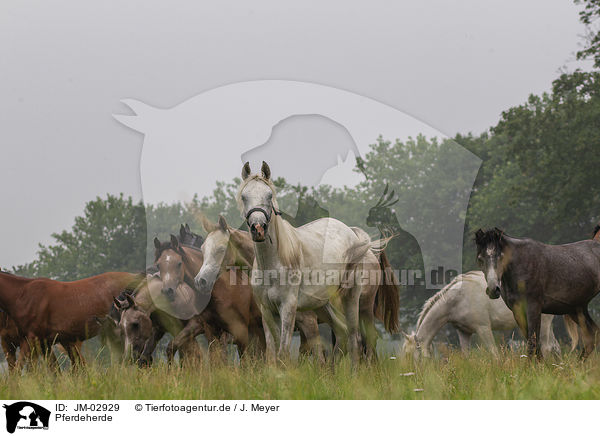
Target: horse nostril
x,y
203,283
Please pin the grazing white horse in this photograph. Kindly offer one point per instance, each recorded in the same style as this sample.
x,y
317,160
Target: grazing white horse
x,y
464,304
304,268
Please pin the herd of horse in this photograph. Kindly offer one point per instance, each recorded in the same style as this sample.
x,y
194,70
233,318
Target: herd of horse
x,y
321,272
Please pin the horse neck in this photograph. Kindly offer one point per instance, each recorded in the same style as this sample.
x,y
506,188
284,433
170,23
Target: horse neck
x,y
266,252
436,317
192,260
11,289
242,248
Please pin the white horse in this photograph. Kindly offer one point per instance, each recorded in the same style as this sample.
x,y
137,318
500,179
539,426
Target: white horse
x,y
304,268
464,304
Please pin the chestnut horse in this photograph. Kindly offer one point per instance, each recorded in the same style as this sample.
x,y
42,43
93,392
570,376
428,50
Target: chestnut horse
x,y
48,311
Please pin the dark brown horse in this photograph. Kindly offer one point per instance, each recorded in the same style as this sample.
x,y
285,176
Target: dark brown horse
x,y
535,278
48,311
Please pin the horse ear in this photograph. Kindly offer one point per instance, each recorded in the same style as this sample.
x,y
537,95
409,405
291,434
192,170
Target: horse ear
x,y
406,335
182,231
266,171
222,223
117,303
174,242
156,243
130,300
246,171
478,236
187,228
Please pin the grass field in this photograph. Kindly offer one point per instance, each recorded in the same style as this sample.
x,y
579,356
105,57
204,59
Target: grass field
x,y
477,376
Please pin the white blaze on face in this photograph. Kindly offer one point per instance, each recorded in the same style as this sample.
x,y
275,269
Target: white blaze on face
x,y
491,274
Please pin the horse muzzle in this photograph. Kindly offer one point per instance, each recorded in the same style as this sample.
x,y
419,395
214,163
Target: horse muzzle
x,y
493,294
204,286
169,293
258,232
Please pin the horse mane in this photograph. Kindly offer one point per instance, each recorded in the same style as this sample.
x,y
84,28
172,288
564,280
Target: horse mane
x,y
431,302
493,236
289,244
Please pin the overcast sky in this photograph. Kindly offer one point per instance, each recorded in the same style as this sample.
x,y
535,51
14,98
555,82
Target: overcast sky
x,y
65,66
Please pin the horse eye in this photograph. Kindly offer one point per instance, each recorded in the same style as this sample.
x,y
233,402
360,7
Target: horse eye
x,y
179,265
134,325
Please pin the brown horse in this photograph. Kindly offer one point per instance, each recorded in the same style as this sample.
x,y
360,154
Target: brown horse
x,y
48,311
230,308
596,234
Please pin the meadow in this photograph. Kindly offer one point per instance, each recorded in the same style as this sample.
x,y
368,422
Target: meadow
x,y
456,376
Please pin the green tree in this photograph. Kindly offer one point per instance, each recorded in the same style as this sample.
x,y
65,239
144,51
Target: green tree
x,y
110,236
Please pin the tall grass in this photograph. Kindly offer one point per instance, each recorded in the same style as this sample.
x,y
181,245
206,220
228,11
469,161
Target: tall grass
x,y
476,376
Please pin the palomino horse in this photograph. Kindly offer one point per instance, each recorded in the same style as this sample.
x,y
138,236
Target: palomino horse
x,y
47,311
226,247
305,268
463,304
535,278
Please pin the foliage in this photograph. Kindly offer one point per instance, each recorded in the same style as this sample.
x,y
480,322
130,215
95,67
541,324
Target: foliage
x,y
588,16
109,236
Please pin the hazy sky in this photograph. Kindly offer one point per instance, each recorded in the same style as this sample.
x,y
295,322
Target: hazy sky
x,y
65,66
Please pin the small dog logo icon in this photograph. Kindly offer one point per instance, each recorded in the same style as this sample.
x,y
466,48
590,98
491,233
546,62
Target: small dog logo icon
x,y
26,415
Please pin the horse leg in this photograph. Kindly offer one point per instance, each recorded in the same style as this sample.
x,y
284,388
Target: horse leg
x,y
590,331
487,338
548,340
464,338
572,330
10,352
49,356
308,325
351,303
26,351
193,328
287,312
534,319
271,330
74,353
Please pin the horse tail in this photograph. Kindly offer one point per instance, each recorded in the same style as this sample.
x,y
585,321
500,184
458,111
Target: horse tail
x,y
387,298
359,249
572,331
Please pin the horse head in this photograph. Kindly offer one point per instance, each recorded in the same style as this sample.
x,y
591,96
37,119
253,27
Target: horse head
x,y
492,258
256,201
214,251
136,329
168,258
